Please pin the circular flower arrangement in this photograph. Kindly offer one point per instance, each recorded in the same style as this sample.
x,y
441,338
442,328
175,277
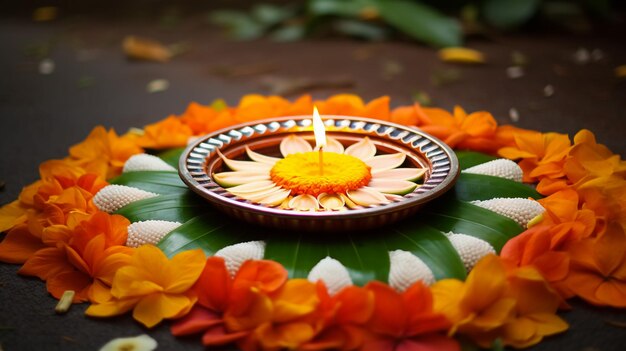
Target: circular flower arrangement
x,y
91,225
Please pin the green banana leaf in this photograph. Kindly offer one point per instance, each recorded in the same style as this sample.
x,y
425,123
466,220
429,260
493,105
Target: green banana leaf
x,y
469,159
171,156
364,254
160,182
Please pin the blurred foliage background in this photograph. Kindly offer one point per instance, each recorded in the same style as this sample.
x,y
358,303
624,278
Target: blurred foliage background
x,y
435,23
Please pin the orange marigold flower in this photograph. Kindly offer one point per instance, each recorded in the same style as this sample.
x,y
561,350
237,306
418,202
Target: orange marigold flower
x,y
253,107
476,131
229,309
542,155
568,223
598,268
589,160
86,256
152,286
167,133
353,105
103,153
606,197
406,321
343,317
202,119
493,303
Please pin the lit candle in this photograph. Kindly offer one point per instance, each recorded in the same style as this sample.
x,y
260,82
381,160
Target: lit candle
x,y
320,137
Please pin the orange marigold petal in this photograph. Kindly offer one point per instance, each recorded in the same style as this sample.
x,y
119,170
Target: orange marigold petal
x,y
19,245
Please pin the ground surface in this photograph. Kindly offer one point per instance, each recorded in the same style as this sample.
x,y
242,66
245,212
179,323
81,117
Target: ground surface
x,y
92,83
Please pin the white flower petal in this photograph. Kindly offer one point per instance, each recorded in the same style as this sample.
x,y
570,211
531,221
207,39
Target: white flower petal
x,y
235,255
149,232
390,186
410,174
333,145
276,198
349,202
135,343
237,165
363,150
392,197
293,144
304,202
228,179
113,197
252,187
471,249
366,197
502,168
255,156
406,269
334,275
145,162
518,209
386,162
331,201
258,195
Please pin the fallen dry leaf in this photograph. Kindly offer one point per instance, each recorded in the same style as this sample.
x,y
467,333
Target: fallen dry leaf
x,y
461,55
145,49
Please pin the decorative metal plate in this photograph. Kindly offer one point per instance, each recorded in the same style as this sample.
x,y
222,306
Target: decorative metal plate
x,y
200,160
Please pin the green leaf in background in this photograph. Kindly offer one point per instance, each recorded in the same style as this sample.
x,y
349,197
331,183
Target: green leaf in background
x,y
506,14
240,25
450,215
172,207
421,22
160,182
360,29
270,15
287,33
469,159
209,232
472,187
346,8
171,156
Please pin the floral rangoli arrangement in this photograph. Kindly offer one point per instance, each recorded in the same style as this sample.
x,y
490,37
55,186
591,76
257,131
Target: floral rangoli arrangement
x,y
112,225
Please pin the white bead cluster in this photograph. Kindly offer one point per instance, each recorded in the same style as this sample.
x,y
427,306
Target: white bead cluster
x,y
501,167
145,162
518,209
235,255
406,269
113,197
149,232
471,249
332,273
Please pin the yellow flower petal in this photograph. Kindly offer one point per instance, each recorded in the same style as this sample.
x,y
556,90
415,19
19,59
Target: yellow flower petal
x,y
111,308
297,298
461,55
184,270
153,308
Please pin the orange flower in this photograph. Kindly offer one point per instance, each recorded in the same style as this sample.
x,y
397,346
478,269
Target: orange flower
x,y
406,321
343,317
542,155
589,160
152,286
568,223
598,269
253,107
352,105
205,119
476,131
606,197
535,247
103,153
493,303
86,256
406,115
168,133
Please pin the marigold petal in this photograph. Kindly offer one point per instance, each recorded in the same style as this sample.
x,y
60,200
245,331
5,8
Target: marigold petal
x,y
19,245
267,276
214,285
356,305
11,215
390,315
431,342
112,307
184,270
485,283
77,281
548,323
289,335
218,335
152,309
197,320
46,263
295,299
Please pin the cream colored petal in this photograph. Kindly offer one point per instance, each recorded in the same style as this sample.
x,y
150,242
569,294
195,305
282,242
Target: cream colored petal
x,y
252,187
258,195
275,198
367,197
349,202
304,202
393,198
410,174
228,179
285,203
364,149
386,162
255,156
293,144
331,201
237,165
333,145
391,186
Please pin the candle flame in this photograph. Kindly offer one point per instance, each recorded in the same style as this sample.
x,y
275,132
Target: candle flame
x,y
318,128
